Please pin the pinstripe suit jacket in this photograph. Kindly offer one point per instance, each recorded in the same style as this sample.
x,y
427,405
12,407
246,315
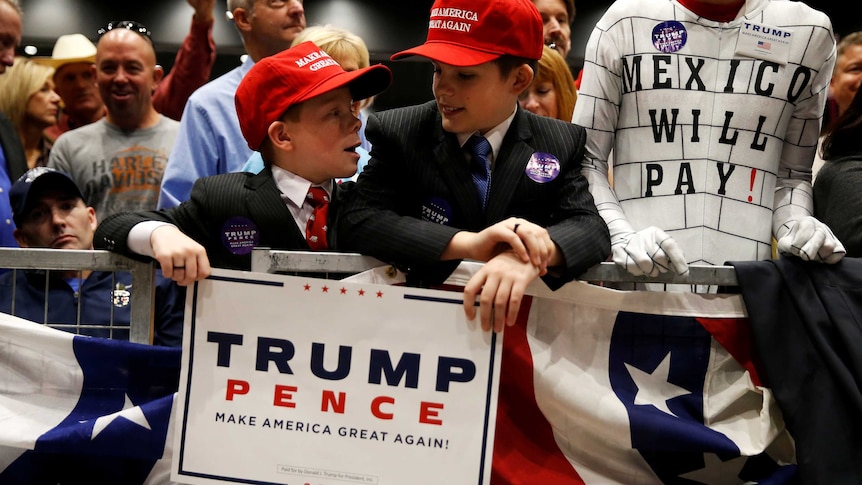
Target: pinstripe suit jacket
x,y
214,200
417,168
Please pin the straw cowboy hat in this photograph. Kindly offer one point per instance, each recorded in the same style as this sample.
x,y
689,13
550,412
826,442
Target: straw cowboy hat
x,y
68,49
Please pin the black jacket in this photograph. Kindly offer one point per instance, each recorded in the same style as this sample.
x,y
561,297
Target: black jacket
x,y
221,210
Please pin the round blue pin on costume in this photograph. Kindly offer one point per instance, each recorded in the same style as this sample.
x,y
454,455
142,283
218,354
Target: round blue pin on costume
x,y
669,36
239,235
542,167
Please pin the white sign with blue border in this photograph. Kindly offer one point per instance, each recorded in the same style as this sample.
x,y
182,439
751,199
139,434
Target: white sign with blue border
x,y
295,380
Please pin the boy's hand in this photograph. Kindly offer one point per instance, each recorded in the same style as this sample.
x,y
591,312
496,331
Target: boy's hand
x,y
181,258
529,241
502,282
535,240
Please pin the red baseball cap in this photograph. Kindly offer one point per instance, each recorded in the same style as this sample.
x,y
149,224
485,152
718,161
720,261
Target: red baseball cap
x,y
471,32
292,76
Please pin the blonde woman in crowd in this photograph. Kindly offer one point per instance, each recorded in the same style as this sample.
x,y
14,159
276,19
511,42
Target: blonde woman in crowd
x,y
552,93
28,99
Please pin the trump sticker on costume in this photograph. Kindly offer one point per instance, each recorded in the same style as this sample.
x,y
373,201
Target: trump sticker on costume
x,y
669,36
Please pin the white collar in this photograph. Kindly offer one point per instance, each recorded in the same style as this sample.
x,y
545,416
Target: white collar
x,y
494,136
293,187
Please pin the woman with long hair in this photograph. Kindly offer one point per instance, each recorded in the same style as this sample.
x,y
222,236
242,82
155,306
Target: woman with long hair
x,y
28,99
552,93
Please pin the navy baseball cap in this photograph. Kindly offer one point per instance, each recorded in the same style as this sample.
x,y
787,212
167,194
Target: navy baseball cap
x,y
32,183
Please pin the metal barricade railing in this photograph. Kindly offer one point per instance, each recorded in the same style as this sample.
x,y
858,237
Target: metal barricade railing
x,y
697,275
270,261
265,260
142,299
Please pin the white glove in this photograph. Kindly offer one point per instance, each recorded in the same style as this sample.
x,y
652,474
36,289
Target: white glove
x,y
811,240
649,251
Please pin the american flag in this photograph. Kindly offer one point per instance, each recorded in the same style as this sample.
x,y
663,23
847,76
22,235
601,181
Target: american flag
x,y
595,388
764,45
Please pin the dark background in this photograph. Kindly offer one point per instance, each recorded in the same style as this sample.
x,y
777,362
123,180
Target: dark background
x,y
386,26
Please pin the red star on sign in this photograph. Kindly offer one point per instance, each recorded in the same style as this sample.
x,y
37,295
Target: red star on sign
x,y
379,294
344,291
307,287
361,292
326,289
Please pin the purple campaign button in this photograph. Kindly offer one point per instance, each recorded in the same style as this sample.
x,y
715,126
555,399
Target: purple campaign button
x,y
542,167
669,36
239,235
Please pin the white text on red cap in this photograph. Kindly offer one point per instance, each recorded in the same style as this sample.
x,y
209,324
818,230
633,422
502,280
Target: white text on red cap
x,y
452,13
324,61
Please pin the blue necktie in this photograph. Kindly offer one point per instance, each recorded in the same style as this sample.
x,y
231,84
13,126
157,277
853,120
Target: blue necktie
x,y
480,168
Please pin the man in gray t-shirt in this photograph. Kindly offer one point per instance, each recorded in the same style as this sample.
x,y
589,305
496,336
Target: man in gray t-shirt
x,y
118,161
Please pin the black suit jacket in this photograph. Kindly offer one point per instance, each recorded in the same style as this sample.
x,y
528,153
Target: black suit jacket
x,y
416,192
806,319
216,202
10,143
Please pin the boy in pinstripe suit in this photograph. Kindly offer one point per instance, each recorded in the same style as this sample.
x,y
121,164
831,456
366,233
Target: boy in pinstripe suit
x,y
295,108
529,212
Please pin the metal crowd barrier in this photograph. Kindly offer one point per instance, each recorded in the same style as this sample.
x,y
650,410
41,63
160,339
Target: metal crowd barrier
x,y
270,261
142,299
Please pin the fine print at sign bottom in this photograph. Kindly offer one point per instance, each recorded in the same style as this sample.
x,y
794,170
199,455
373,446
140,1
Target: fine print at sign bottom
x,y
303,380
328,474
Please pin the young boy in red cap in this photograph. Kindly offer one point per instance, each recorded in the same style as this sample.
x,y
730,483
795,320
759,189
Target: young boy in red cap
x,y
512,196
293,107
